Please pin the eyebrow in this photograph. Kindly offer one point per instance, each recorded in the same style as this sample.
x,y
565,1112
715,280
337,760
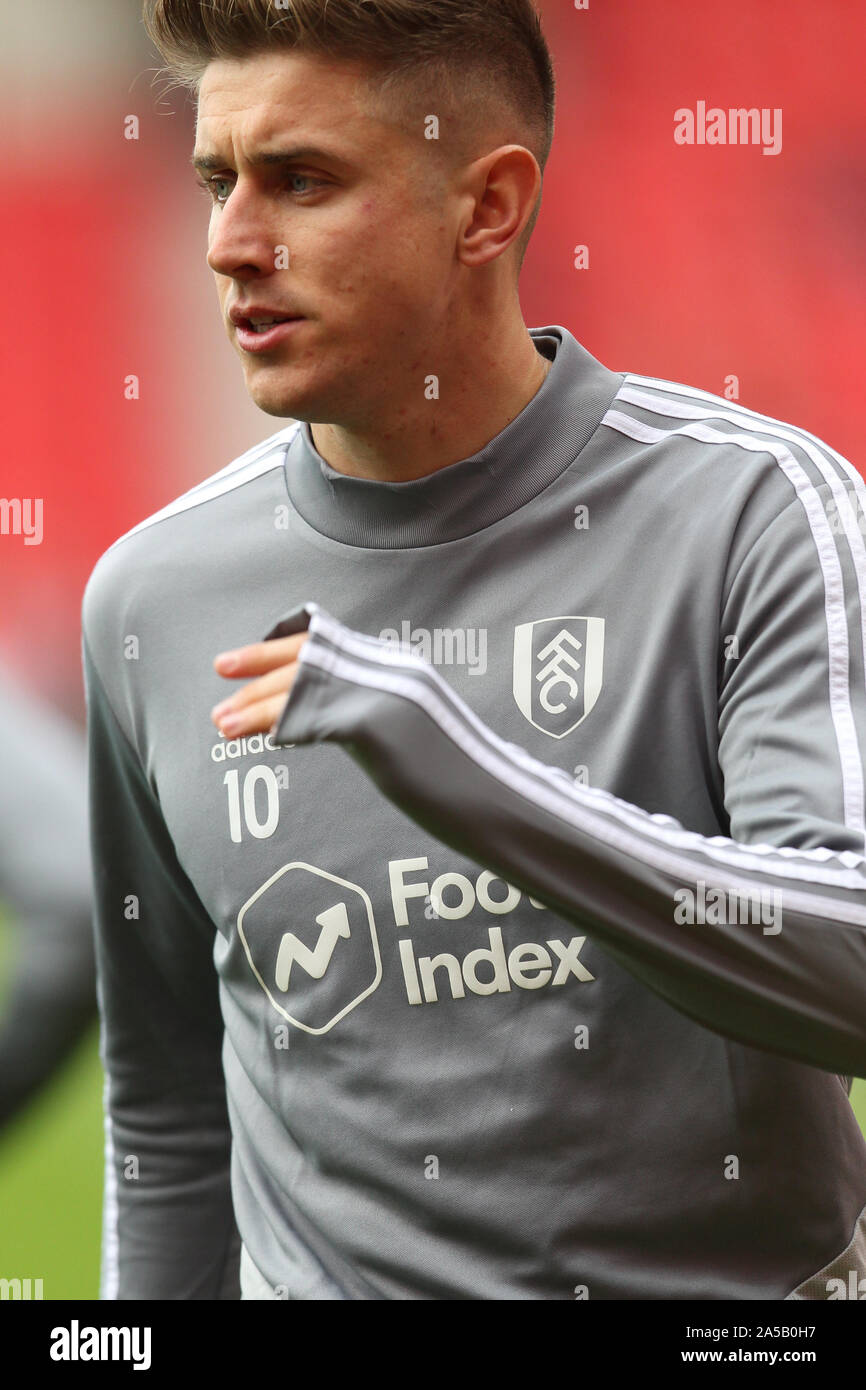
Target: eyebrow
x,y
267,158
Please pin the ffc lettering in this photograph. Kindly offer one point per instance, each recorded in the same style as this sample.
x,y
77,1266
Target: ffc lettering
x,y
553,673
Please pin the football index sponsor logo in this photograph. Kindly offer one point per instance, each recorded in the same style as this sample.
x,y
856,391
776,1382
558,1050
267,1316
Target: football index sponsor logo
x,y
558,667
484,970
326,919
311,941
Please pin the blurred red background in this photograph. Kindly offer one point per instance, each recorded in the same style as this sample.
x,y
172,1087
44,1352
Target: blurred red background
x,y
705,261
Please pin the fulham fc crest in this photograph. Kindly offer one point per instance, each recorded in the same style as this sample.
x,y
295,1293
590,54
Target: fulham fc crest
x,y
558,671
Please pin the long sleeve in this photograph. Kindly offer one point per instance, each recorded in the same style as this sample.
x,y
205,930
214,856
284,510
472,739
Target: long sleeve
x,y
763,942
169,1229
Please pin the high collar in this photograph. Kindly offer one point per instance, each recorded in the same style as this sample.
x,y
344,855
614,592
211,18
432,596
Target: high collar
x,y
467,496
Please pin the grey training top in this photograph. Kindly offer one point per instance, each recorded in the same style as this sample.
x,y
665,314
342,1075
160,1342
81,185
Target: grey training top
x,y
547,982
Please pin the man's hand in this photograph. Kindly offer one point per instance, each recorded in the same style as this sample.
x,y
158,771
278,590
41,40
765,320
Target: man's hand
x,y
256,707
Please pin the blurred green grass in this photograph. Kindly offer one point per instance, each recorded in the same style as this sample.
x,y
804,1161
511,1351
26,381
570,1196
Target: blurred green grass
x,y
51,1166
51,1171
51,1163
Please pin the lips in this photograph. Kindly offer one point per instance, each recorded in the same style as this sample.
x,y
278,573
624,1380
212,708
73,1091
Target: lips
x,y
255,317
259,330
262,325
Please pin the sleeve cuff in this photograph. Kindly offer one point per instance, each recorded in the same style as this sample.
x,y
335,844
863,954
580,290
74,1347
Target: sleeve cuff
x,y
298,620
295,722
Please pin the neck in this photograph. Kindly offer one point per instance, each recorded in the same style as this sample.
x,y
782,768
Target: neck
x,y
481,385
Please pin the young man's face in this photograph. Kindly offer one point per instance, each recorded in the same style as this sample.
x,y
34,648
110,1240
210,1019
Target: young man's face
x,y
353,233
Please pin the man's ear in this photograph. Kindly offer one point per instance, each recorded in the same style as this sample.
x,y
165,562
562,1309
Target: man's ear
x,y
504,188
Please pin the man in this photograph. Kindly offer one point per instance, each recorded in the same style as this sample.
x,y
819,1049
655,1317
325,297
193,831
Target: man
x,y
550,988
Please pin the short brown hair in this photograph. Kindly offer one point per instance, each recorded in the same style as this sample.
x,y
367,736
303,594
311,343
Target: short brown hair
x,y
497,45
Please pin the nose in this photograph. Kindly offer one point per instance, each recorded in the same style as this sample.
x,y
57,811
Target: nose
x,y
241,241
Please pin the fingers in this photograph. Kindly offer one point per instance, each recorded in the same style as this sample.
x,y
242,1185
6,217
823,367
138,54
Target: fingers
x,y
275,681
256,707
260,657
255,701
256,718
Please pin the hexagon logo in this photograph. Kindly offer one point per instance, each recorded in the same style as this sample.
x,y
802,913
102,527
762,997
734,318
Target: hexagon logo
x,y
310,938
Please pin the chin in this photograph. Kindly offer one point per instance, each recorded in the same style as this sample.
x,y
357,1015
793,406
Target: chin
x,y
283,410
280,399
319,402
